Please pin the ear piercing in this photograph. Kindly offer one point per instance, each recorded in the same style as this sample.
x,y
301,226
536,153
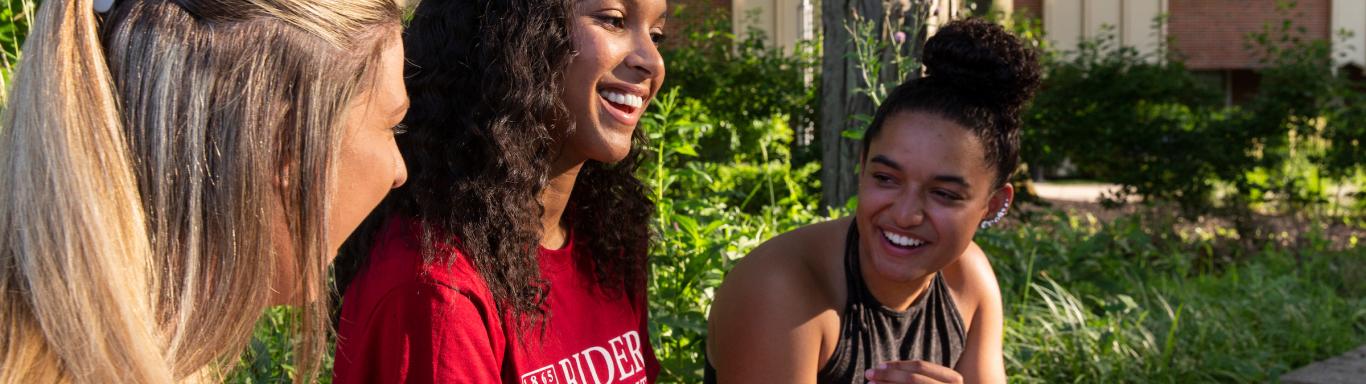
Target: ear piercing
x,y
1001,214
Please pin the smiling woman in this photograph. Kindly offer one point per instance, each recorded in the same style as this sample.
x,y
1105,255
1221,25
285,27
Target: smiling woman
x,y
899,293
517,252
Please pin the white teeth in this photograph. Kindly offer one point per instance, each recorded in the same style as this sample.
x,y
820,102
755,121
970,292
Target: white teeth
x,y
624,99
904,241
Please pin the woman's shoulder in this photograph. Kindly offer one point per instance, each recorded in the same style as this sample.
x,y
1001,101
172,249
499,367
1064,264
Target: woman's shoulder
x,y
398,279
403,253
791,275
781,302
807,259
972,282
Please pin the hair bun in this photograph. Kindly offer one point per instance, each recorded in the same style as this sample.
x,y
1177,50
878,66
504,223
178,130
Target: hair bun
x,y
984,61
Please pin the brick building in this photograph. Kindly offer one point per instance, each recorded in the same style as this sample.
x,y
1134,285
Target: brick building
x,y
1209,35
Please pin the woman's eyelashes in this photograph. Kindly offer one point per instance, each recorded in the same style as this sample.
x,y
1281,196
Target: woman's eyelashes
x,y
948,195
612,21
883,179
888,181
616,21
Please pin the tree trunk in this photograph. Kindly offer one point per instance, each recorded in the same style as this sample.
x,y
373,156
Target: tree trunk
x,y
841,78
839,100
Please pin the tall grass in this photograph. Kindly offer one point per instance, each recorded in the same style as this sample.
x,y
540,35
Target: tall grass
x,y
1130,301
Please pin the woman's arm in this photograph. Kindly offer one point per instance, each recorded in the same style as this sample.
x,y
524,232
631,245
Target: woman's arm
x,y
982,360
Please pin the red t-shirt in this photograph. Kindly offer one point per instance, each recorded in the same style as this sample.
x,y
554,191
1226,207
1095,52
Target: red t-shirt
x,y
406,321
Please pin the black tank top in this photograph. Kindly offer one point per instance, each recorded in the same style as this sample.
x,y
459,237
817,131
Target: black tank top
x,y
870,333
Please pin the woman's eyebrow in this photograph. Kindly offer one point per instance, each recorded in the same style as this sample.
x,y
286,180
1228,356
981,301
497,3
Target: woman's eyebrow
x,y
953,179
884,160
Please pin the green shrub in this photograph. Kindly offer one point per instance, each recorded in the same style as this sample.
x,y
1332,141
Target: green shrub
x,y
1145,123
14,26
740,79
1132,119
710,213
269,356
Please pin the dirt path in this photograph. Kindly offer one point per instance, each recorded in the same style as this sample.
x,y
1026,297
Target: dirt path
x,y
1077,193
1084,199
1350,368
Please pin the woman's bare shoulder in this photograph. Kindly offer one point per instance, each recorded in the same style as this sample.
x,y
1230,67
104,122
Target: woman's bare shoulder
x,y
978,295
774,308
972,282
809,256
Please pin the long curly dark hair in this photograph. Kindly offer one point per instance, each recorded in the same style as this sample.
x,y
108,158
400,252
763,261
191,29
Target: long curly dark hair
x,y
485,79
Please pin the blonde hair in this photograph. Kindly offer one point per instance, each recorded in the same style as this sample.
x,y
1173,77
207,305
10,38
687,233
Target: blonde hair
x,y
135,225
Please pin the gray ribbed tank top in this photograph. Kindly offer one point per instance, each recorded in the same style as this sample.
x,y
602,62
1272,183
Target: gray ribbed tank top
x,y
870,333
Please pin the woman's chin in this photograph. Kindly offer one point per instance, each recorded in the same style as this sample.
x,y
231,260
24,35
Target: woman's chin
x,y
611,154
898,272
904,277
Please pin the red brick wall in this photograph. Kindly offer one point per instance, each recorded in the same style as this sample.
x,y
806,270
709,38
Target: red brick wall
x,y
1212,34
1033,7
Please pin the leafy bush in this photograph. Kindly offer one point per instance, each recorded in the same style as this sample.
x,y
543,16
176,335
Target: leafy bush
x,y
740,79
1131,119
1345,128
269,356
14,26
711,213
1145,123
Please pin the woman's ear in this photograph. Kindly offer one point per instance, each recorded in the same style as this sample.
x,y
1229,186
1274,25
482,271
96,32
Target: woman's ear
x,y
1003,197
998,205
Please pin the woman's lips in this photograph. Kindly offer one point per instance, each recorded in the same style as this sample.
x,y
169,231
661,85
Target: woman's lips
x,y
624,107
909,246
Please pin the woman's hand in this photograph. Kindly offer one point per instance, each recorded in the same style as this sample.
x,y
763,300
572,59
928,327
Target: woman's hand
x,y
912,372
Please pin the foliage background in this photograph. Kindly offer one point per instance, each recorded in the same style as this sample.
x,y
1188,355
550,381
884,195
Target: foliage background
x,y
1155,296
1192,285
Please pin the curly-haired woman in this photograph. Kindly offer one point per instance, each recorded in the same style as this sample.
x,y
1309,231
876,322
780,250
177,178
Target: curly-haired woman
x,y
899,293
517,250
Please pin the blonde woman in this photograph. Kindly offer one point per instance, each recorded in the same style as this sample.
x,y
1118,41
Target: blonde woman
x,y
170,168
